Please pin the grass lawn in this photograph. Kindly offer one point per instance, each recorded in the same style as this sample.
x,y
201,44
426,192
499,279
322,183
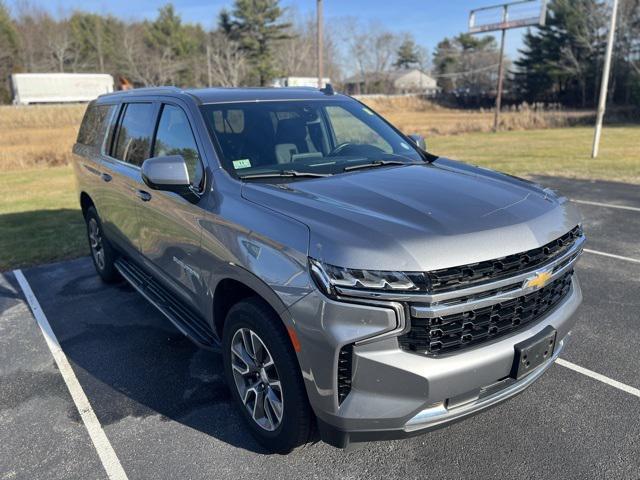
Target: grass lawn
x,y
40,218
560,152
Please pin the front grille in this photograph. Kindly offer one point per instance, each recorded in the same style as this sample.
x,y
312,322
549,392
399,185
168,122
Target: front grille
x,y
344,372
464,276
434,336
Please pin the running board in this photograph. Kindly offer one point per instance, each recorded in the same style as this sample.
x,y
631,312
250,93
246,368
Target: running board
x,y
188,322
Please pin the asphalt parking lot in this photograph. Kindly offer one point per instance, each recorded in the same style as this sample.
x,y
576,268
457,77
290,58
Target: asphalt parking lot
x,y
166,412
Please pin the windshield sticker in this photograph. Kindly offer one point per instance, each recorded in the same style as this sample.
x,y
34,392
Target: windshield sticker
x,y
366,110
405,146
242,163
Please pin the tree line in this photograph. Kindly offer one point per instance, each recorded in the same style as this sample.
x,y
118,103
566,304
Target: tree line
x,y
251,44
257,40
562,61
559,63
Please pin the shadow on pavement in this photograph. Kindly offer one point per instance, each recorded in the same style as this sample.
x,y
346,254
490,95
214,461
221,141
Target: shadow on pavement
x,y
117,341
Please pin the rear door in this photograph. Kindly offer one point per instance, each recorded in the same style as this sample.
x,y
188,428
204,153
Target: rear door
x,y
130,145
89,149
170,223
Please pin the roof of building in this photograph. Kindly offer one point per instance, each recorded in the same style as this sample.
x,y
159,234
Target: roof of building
x,y
390,76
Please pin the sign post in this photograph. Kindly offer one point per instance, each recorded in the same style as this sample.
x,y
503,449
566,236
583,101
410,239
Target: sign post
x,y
604,84
503,17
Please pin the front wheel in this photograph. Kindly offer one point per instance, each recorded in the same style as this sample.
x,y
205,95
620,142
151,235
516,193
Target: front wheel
x,y
264,377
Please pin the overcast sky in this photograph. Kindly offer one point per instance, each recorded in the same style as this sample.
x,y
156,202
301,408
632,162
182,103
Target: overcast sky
x,y
428,20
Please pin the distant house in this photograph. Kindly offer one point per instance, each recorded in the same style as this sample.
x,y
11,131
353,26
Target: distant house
x,y
299,82
411,80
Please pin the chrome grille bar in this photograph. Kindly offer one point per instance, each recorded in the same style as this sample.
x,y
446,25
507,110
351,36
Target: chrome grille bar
x,y
436,310
562,262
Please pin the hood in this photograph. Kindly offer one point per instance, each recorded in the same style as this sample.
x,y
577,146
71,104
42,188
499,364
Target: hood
x,y
418,217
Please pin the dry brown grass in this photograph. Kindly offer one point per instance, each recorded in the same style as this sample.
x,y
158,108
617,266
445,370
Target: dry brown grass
x,y
415,115
32,136
37,135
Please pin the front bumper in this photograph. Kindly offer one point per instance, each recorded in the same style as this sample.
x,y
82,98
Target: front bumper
x,y
397,394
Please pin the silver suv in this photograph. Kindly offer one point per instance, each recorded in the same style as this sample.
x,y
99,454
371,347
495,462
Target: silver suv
x,y
353,283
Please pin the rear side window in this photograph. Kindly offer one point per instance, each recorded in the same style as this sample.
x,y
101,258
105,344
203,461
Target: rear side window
x,y
175,137
133,140
94,125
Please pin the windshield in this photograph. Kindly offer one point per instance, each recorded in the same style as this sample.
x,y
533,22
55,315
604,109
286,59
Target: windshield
x,y
304,138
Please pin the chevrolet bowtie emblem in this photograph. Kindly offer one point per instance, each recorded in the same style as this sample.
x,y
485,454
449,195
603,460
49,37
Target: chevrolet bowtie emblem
x,y
539,280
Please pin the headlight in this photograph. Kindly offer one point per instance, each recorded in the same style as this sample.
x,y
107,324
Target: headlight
x,y
328,277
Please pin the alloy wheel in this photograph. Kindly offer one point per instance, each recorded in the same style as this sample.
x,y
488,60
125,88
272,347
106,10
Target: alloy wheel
x,y
95,241
256,378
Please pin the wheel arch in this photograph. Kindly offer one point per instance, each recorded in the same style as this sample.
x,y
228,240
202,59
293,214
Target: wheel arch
x,y
86,202
237,286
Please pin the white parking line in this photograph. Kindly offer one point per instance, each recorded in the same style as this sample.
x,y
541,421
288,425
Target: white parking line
x,y
607,205
611,255
601,378
100,441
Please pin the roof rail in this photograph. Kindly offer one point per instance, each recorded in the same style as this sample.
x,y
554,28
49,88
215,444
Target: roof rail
x,y
147,90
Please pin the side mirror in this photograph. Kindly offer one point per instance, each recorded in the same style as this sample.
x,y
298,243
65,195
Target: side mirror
x,y
166,173
418,140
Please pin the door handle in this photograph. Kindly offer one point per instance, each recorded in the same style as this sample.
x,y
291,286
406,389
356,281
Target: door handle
x,y
106,177
143,195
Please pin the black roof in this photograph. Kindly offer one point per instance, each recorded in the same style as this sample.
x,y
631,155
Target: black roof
x,y
222,95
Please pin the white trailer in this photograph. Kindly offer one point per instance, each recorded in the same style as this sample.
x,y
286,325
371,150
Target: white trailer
x,y
59,87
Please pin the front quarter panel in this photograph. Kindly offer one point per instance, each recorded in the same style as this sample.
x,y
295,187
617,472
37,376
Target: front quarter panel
x,y
242,239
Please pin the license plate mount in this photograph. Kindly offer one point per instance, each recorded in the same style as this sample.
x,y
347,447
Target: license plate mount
x,y
533,352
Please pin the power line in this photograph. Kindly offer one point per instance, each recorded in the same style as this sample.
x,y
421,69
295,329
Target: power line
x,y
459,74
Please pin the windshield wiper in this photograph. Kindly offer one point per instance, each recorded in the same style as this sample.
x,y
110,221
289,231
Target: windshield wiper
x,y
377,163
284,173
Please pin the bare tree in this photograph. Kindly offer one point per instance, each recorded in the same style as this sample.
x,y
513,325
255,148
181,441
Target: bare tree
x,y
136,62
372,49
587,43
58,44
30,21
226,60
296,55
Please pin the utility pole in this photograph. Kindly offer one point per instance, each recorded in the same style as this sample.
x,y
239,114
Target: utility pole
x,y
319,43
604,84
209,82
515,14
496,117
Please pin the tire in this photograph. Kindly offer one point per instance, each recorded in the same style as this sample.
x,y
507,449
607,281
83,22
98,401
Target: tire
x,y
253,318
102,252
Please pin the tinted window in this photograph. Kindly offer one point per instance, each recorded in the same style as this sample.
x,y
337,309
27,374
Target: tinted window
x,y
309,136
349,129
175,137
134,135
94,124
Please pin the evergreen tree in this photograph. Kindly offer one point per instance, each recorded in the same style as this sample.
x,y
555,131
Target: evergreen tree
x,y
94,37
171,46
9,46
255,25
561,60
407,54
166,33
445,63
467,63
